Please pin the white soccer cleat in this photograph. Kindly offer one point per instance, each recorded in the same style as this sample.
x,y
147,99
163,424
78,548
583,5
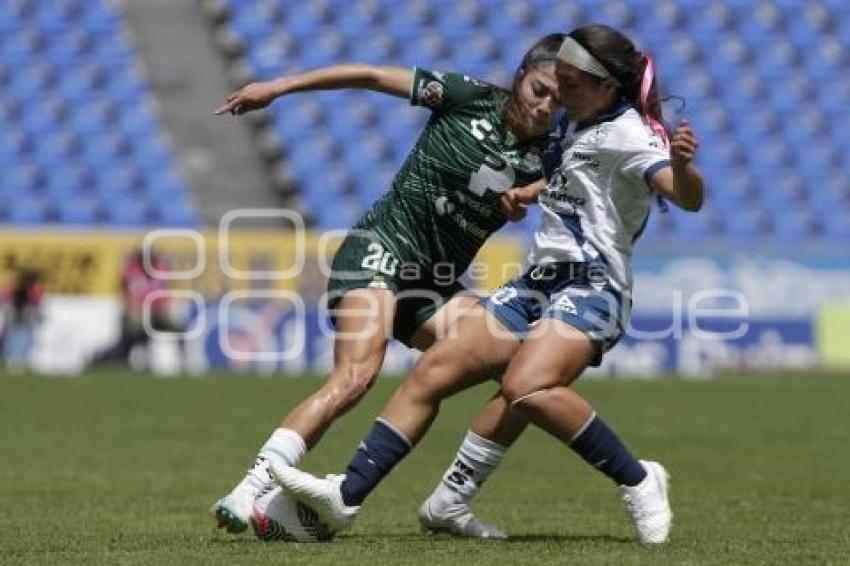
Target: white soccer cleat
x,y
456,520
233,511
647,505
321,495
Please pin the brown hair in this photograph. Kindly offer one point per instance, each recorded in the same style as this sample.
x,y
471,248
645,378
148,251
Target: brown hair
x,y
544,50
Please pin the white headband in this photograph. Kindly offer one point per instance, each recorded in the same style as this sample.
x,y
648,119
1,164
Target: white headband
x,y
573,53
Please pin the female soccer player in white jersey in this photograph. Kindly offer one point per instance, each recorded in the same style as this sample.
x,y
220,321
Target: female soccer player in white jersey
x,y
395,272
608,157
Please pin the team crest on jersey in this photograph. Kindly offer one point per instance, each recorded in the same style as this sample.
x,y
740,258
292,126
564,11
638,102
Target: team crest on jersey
x,y
431,93
599,133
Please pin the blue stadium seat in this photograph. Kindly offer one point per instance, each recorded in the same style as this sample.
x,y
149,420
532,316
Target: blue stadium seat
x,y
829,194
834,227
793,226
380,47
657,229
751,77
151,153
346,210
252,24
127,212
21,178
31,210
693,227
174,213
406,20
745,225
72,113
79,212
13,145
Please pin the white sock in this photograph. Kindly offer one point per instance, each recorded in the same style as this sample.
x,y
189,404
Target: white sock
x,y
284,446
474,462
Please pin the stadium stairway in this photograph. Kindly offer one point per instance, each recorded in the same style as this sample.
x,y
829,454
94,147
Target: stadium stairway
x,y
216,157
81,138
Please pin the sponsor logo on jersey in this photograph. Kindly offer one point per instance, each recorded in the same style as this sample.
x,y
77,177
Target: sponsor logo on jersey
x,y
481,128
592,161
555,195
431,93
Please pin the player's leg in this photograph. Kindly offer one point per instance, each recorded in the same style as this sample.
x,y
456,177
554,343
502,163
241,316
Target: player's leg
x,y
570,414
468,353
484,445
536,385
363,326
472,355
493,431
431,321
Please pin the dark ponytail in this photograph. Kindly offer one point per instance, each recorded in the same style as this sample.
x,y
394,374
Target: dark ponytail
x,y
634,70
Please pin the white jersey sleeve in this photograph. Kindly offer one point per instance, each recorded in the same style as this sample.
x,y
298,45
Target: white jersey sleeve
x,y
641,162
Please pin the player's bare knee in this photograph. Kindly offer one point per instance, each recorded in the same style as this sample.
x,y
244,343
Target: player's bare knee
x,y
519,392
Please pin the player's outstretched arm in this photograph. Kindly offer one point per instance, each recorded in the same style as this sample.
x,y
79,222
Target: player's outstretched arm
x,y
681,183
390,80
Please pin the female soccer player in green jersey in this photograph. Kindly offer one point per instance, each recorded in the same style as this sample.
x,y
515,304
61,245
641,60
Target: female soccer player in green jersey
x,y
395,272
606,160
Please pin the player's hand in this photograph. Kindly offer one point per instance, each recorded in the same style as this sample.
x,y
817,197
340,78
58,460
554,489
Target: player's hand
x,y
251,97
514,202
683,145
511,207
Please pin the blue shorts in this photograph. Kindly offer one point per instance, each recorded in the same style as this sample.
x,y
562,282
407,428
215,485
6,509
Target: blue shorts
x,y
569,292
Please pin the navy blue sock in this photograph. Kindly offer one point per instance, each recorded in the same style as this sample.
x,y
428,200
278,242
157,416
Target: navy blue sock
x,y
600,447
375,457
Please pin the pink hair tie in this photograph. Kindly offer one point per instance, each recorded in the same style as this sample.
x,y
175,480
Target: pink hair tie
x,y
645,86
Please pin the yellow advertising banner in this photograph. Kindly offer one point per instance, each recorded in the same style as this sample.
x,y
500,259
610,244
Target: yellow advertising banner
x,y
833,335
89,262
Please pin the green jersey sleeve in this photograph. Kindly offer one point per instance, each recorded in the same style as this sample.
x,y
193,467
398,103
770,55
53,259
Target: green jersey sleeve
x,y
442,92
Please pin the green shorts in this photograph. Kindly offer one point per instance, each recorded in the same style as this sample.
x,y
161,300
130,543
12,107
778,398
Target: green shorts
x,y
361,263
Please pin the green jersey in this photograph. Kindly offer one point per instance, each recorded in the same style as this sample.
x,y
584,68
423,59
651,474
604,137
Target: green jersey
x,y
444,202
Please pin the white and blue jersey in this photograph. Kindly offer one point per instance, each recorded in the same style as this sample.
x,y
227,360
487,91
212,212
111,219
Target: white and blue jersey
x,y
598,197
594,207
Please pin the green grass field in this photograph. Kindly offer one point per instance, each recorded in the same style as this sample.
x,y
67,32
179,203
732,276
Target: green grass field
x,y
120,469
